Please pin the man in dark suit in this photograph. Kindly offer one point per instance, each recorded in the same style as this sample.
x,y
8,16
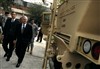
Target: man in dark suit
x,y
23,36
8,35
40,36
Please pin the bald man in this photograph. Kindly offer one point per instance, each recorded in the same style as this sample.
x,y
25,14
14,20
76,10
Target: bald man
x,y
23,37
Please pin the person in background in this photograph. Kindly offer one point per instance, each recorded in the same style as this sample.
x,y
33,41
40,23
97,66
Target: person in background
x,y
40,36
35,30
8,35
23,36
1,16
5,17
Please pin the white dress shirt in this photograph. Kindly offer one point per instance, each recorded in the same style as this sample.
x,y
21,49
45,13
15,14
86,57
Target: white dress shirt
x,y
12,20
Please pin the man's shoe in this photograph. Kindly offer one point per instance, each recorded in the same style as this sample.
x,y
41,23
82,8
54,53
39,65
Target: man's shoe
x,y
7,59
18,65
31,53
5,55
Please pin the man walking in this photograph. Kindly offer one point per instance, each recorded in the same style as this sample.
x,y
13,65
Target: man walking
x,y
23,37
35,30
40,35
8,35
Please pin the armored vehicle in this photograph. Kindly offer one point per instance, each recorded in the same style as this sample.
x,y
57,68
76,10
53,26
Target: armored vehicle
x,y
45,22
74,38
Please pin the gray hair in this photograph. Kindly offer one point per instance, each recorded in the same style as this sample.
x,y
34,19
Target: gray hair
x,y
24,17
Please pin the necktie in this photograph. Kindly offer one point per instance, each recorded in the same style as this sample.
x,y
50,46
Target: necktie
x,y
23,28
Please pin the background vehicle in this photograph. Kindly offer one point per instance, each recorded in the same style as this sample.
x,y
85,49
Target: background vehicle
x,y
45,22
75,44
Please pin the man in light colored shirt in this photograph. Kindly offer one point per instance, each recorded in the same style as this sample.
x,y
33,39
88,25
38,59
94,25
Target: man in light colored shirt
x,y
5,17
35,30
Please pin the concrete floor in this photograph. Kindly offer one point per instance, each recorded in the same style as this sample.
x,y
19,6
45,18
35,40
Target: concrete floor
x,y
34,61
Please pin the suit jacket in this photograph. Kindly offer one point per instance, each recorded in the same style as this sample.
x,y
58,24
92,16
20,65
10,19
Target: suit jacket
x,y
26,36
10,27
